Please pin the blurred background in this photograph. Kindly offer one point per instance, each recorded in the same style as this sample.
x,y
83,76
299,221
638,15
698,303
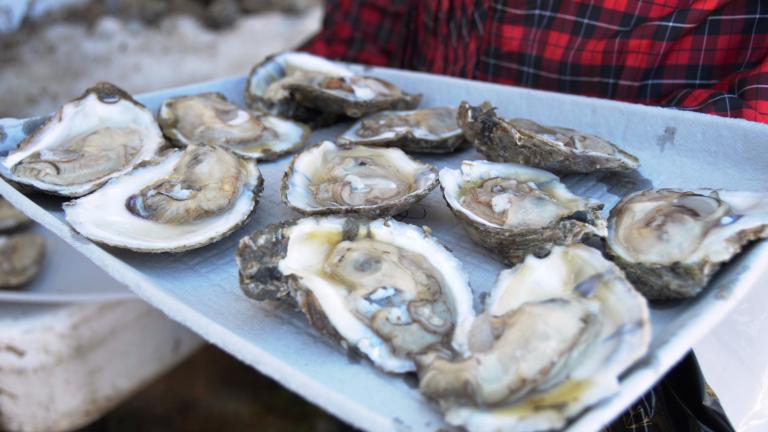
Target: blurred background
x,y
50,51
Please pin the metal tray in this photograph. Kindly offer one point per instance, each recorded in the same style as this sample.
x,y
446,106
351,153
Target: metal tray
x,y
200,288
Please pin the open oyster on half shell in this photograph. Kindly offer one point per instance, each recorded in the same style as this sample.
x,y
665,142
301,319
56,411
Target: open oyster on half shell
x,y
101,135
384,289
10,218
209,118
312,89
557,149
515,210
21,258
556,334
183,200
428,130
368,181
670,242
21,254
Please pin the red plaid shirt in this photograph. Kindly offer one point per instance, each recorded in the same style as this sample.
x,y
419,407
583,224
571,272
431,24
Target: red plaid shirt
x,y
701,55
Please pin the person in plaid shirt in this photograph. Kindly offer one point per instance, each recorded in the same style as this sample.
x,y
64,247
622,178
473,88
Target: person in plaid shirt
x,y
702,55
709,56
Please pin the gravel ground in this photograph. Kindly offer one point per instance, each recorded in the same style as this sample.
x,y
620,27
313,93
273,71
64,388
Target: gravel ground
x,y
43,67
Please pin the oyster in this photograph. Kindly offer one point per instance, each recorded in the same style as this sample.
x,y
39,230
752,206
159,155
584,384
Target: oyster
x,y
184,200
515,210
369,181
354,96
556,334
101,135
428,130
555,149
381,288
21,258
304,87
209,118
10,218
670,241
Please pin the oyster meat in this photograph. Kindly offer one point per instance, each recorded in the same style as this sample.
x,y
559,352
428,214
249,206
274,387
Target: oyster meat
x,y
21,258
671,241
515,210
308,88
384,289
556,149
101,135
369,181
184,200
556,334
209,118
10,218
428,130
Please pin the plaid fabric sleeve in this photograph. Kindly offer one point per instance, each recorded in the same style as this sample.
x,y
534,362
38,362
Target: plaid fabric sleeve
x,y
701,55
370,32
744,94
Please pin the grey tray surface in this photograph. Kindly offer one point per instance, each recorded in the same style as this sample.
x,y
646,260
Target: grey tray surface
x,y
200,288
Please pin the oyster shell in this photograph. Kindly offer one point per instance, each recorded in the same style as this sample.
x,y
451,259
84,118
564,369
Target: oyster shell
x,y
670,242
428,130
101,135
265,91
556,334
369,181
304,87
354,96
10,218
209,118
515,210
384,289
555,149
21,258
184,200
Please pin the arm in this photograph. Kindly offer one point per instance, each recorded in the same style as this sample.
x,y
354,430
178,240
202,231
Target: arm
x,y
743,94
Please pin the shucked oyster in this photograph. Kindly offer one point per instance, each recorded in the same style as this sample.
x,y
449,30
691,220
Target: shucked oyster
x,y
99,136
381,288
302,86
428,130
368,181
209,118
670,242
516,210
265,89
183,201
10,218
556,334
555,149
21,257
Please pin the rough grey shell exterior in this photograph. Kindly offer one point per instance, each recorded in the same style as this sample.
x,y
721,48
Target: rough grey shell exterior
x,y
328,103
406,139
499,141
269,70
